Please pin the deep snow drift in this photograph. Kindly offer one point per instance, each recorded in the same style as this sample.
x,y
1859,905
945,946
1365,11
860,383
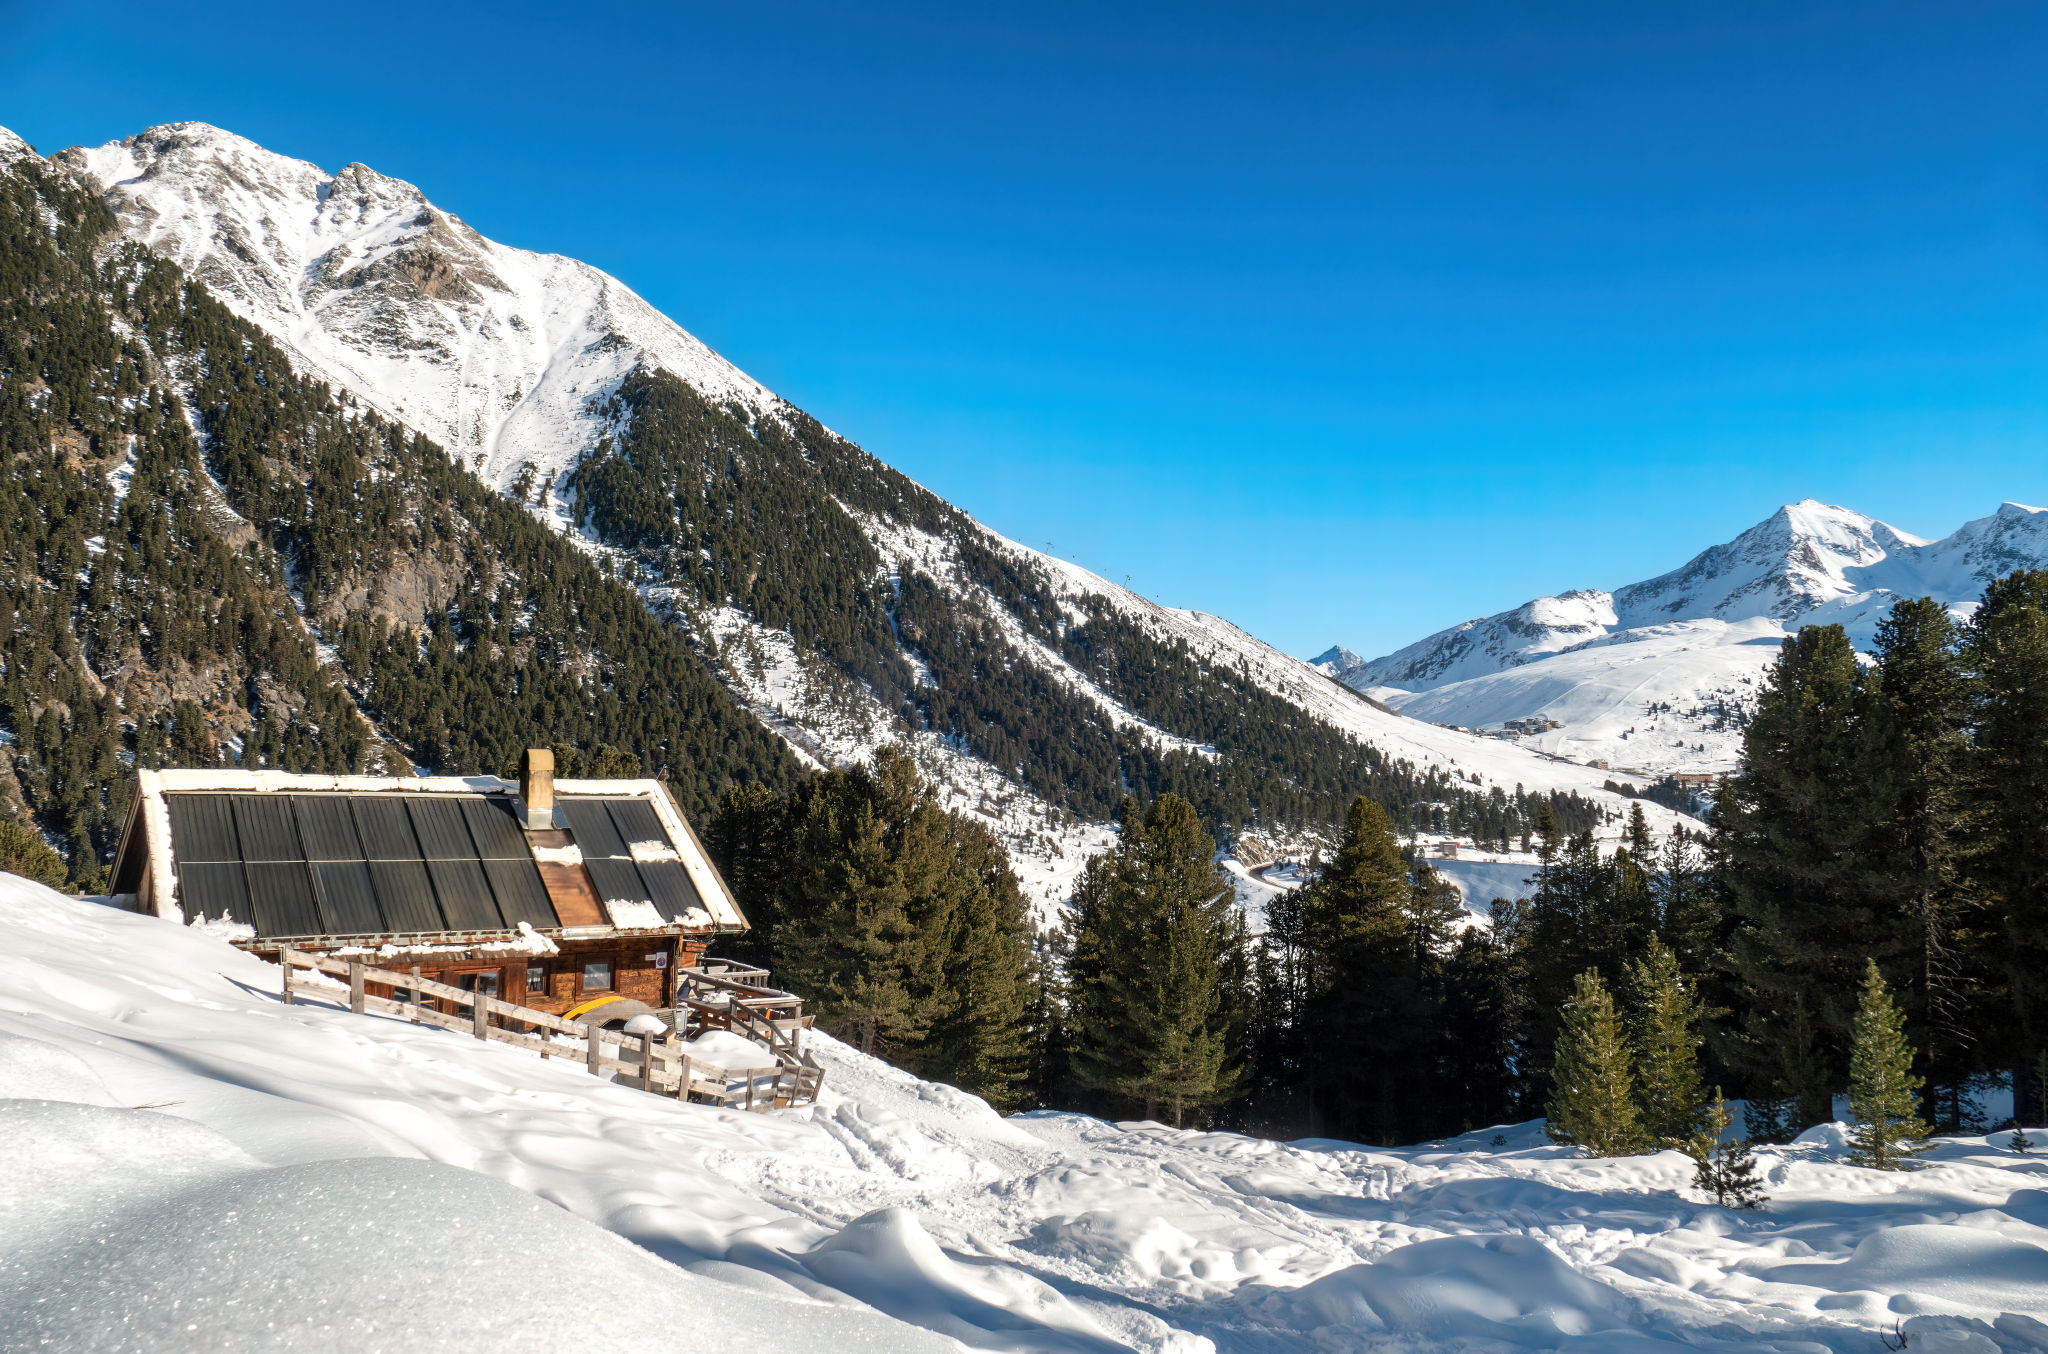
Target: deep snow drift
x,y
1648,677
193,1165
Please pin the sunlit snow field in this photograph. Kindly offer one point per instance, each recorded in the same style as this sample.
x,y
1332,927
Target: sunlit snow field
x,y
191,1164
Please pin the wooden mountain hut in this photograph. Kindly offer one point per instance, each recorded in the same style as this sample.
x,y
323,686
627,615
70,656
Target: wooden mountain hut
x,y
554,895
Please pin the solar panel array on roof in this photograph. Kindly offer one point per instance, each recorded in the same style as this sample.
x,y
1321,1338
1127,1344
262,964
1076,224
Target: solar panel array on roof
x,y
340,864
606,830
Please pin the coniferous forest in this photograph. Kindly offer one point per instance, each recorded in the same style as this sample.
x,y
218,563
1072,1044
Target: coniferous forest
x,y
1867,915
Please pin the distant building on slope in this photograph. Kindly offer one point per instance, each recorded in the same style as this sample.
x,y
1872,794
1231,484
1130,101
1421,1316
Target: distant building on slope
x,y
551,895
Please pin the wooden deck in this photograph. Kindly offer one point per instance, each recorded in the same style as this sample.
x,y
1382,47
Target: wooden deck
x,y
660,1064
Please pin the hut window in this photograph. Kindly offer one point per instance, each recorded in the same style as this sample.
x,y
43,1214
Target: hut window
x,y
486,983
597,975
536,978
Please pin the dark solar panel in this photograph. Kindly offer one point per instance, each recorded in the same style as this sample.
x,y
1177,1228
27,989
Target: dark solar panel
x,y
670,885
465,895
521,897
326,827
202,830
617,881
405,895
266,827
438,821
347,900
595,835
281,899
212,891
637,821
386,830
497,834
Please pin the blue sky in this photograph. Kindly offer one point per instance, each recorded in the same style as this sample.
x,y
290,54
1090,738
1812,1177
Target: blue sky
x,y
1345,322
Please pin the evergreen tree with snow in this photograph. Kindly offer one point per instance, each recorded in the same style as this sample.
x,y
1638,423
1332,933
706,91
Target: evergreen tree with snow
x,y
1592,1101
1664,1015
1883,1092
1723,1167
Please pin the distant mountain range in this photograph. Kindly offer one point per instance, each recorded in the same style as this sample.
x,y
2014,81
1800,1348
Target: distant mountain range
x,y
1655,675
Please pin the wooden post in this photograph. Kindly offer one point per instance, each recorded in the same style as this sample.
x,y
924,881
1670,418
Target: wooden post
x,y
683,1077
480,1013
284,961
750,1090
355,986
596,1050
646,1062
415,994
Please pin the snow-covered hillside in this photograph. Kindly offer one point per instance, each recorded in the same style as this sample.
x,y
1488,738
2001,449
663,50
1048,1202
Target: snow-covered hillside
x,y
192,1165
1655,676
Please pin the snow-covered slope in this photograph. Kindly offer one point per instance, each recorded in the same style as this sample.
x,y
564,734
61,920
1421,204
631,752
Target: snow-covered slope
x,y
192,1165
492,351
1654,676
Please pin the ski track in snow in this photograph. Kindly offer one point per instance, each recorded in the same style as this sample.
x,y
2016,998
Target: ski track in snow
x,y
193,1165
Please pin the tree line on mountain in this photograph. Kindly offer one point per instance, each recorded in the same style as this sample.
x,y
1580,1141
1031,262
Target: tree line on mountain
x,y
183,519
765,514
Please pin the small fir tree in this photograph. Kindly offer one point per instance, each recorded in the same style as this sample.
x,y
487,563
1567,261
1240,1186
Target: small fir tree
x,y
1593,1092
1664,1016
1725,1169
1882,1088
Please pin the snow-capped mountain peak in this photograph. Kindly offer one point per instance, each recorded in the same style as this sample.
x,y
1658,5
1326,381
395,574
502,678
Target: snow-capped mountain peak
x,y
1656,675
493,351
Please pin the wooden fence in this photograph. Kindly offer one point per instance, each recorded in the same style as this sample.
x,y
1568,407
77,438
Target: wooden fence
x,y
657,1063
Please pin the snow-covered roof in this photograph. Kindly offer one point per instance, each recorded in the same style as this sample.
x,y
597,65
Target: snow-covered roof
x,y
364,856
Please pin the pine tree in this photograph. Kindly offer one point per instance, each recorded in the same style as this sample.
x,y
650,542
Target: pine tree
x,y
1592,1101
1915,752
1360,1017
2008,650
1664,1014
1723,1167
1790,837
1154,930
1882,1088
1688,906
